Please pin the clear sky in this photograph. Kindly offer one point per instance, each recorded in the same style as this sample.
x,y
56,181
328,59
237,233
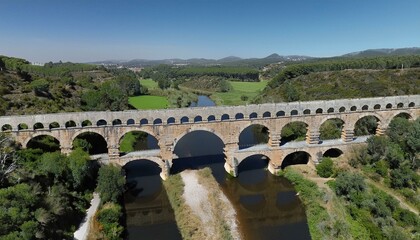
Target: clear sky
x,y
90,30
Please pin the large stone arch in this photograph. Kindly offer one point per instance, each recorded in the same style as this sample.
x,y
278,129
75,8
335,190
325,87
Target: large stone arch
x,y
333,152
38,134
352,124
329,117
90,130
250,124
124,131
193,129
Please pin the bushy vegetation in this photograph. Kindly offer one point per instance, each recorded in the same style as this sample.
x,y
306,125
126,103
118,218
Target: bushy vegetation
x,y
43,195
380,213
107,222
60,87
393,159
325,168
345,78
319,221
241,74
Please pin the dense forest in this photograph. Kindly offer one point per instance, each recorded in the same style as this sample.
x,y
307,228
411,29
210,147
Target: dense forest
x,y
63,87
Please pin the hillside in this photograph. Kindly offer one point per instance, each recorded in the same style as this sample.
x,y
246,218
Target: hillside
x,y
346,84
62,87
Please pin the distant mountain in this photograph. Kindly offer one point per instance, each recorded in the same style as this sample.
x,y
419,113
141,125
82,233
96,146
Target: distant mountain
x,y
384,52
230,61
254,62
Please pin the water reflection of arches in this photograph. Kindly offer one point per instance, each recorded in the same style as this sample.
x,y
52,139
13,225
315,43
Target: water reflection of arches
x,y
252,174
299,157
145,199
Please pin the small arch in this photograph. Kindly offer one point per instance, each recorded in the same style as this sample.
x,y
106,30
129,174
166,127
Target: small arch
x,y
144,121
6,128
377,106
22,126
330,110
353,108
171,120
198,119
211,118
253,115
365,107
157,121
131,121
306,112
86,123
319,111
400,105
70,124
294,112
54,125
239,116
300,157
388,106
225,117
267,115
342,109
116,122
101,122
332,153
185,119
38,125
412,104
280,114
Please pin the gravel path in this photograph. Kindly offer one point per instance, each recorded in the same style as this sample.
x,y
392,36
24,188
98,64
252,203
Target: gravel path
x,y
82,232
196,196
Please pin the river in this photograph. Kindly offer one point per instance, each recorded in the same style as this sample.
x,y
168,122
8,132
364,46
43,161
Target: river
x,y
267,206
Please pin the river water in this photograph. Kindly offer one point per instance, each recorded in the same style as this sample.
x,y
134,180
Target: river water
x,y
267,206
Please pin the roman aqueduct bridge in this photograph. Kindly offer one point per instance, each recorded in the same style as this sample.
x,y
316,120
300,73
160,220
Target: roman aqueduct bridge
x,y
226,122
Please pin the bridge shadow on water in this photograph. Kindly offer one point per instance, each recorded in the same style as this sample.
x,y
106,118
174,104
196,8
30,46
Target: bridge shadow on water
x,y
149,214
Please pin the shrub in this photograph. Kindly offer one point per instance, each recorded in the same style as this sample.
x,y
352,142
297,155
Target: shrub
x,y
325,168
109,218
348,182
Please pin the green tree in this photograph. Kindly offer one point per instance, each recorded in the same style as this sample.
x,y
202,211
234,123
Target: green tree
x,y
111,183
40,86
78,161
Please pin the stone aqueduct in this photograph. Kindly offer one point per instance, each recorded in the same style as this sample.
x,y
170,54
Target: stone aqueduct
x,y
227,122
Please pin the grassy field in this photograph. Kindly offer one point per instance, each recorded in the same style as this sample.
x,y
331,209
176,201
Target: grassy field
x,y
148,102
245,90
149,83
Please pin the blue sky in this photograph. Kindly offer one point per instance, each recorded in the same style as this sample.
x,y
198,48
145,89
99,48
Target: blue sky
x,y
89,30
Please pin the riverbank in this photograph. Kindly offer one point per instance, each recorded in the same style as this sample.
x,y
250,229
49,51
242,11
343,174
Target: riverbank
x,y
201,211
82,232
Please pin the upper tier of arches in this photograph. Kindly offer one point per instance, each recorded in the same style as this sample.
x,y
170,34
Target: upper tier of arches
x,y
208,114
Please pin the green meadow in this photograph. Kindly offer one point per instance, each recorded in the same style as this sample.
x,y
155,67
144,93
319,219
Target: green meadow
x,y
241,93
148,102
